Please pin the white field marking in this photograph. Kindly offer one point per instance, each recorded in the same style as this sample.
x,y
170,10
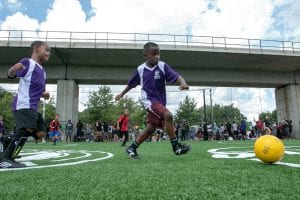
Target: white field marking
x,y
70,145
74,158
216,153
41,157
279,163
29,164
292,153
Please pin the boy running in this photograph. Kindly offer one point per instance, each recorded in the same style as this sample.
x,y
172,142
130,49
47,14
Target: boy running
x,y
55,129
152,75
25,104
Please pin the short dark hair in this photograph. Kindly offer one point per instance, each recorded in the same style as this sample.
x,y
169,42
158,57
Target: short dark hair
x,y
37,43
149,45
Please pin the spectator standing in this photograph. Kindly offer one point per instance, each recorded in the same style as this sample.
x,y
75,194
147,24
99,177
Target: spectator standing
x,y
79,127
235,130
99,129
228,129
105,132
286,128
69,130
88,133
205,131
243,128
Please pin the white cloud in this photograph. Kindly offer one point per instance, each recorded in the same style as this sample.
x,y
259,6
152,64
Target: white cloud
x,y
19,21
65,15
249,19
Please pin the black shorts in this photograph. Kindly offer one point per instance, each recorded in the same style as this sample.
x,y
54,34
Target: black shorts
x,y
29,118
123,133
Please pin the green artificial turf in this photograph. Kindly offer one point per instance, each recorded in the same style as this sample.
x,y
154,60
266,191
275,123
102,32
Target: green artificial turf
x,y
159,174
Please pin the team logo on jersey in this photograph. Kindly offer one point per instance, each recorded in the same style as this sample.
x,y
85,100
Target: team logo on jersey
x,y
156,75
247,152
35,159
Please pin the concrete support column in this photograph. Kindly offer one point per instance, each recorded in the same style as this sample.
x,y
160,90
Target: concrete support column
x,y
67,101
288,105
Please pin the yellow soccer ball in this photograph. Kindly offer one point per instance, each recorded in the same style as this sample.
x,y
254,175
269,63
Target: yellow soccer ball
x,y
269,149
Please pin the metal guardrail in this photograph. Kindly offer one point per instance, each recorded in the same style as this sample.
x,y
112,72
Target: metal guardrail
x,y
18,37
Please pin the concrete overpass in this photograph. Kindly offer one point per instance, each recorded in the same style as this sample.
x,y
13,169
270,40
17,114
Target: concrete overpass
x,y
231,62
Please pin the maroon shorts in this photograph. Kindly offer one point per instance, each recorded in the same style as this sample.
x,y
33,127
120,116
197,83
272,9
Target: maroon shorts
x,y
155,115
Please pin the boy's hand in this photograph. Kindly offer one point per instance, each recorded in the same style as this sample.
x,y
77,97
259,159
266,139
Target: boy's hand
x,y
118,97
184,87
46,95
18,66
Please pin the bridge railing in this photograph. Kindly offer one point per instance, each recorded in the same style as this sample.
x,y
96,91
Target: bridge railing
x,y
98,39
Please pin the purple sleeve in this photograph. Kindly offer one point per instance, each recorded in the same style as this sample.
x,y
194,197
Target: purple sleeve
x,y
134,80
170,74
23,72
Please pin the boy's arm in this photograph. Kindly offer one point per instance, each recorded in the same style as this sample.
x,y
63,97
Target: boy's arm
x,y
13,70
119,96
182,84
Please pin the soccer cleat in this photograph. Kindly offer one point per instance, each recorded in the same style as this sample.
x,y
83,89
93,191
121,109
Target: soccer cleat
x,y
181,149
131,152
4,142
11,164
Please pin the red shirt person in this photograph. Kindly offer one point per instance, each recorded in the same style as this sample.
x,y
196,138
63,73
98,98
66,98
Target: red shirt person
x,y
55,129
122,126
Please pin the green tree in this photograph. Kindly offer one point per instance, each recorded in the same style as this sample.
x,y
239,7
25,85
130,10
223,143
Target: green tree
x,y
100,106
272,116
221,114
50,110
6,99
187,111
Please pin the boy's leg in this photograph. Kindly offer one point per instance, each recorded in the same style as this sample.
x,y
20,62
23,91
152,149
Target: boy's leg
x,y
19,147
16,144
14,148
125,134
55,138
131,150
162,116
178,148
69,136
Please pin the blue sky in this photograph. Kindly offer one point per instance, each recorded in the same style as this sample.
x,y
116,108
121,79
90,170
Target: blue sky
x,y
262,19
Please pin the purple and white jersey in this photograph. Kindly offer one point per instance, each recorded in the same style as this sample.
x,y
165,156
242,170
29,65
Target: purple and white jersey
x,y
31,85
153,82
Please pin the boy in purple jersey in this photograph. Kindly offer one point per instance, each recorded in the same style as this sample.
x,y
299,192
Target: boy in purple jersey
x,y
152,75
25,104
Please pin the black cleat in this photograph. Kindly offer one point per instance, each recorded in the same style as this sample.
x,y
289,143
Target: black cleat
x,y
11,164
181,149
4,142
131,152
